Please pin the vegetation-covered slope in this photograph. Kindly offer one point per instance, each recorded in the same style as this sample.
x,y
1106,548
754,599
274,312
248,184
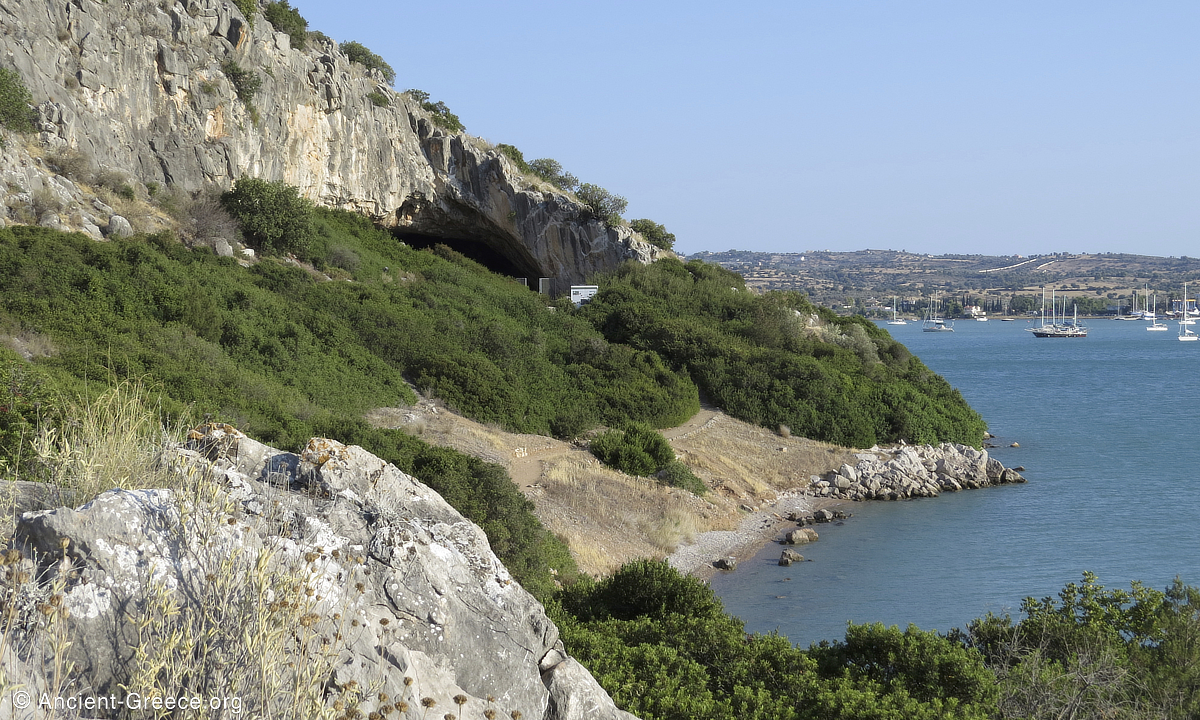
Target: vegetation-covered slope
x,y
663,647
758,357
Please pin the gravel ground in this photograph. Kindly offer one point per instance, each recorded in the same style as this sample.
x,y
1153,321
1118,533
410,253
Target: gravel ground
x,y
756,530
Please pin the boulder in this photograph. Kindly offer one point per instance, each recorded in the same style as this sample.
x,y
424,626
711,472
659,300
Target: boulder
x,y
790,556
118,226
800,536
332,552
725,563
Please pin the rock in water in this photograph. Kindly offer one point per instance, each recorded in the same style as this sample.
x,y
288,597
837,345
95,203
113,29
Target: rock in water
x,y
790,556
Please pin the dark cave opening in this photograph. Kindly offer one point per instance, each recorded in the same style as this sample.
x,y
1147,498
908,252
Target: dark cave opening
x,y
479,251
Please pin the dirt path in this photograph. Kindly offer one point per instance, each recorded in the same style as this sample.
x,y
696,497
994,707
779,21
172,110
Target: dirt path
x,y
608,518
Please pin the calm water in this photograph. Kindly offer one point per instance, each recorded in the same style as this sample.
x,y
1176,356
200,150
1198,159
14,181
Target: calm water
x,y
1108,434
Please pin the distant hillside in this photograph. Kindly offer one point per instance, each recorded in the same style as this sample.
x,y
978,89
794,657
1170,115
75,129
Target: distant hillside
x,y
839,279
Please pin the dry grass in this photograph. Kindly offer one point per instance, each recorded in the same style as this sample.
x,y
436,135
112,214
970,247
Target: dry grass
x,y
29,344
111,442
244,625
608,518
238,619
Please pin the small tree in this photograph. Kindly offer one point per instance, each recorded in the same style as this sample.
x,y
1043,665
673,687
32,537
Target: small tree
x,y
357,52
602,204
653,233
552,172
438,110
15,113
273,216
245,82
287,19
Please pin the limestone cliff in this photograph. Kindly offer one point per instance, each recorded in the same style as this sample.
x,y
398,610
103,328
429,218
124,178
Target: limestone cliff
x,y
138,87
325,584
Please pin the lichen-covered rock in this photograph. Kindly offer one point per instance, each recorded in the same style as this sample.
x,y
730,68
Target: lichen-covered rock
x,y
383,581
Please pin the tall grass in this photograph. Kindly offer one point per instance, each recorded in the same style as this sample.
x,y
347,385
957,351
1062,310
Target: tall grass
x,y
111,441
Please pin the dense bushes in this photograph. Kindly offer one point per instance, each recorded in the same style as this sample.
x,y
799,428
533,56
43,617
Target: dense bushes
x,y
358,53
662,645
15,99
756,357
263,348
1097,652
287,19
653,233
273,216
638,450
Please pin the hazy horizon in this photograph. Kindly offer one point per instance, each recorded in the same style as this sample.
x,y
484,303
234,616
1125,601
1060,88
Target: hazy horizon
x,y
1023,127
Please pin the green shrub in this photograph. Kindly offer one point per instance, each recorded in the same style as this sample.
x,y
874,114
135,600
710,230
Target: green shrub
x,y
515,155
249,9
601,204
661,644
273,216
357,52
641,588
638,449
847,383
15,99
287,19
246,82
26,400
573,422
378,99
653,233
552,172
441,114
676,474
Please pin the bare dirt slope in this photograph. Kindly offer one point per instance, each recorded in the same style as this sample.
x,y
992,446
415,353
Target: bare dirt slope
x,y
608,517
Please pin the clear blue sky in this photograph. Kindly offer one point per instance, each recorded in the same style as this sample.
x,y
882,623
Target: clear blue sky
x,y
930,126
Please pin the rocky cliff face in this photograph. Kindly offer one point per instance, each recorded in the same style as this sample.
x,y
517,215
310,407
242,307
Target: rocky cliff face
x,y
326,582
138,87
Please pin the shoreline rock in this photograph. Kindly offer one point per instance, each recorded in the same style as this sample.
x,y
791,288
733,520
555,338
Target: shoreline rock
x,y
901,473
911,471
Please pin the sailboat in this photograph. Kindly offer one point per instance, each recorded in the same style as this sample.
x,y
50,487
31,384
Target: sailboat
x,y
934,321
1056,329
1185,332
1155,325
895,318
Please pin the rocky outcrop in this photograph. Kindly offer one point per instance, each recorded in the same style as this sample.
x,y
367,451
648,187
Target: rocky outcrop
x,y
914,471
328,570
142,89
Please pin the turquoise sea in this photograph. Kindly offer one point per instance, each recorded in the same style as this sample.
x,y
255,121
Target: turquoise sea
x,y
1107,427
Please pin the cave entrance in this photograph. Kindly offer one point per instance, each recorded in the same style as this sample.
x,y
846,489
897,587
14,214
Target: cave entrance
x,y
479,251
